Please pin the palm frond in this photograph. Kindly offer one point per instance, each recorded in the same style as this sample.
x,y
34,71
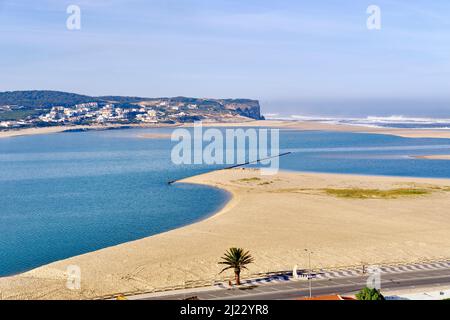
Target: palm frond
x,y
225,269
236,258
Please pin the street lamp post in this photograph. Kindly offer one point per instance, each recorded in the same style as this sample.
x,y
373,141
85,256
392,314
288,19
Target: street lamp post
x,y
309,272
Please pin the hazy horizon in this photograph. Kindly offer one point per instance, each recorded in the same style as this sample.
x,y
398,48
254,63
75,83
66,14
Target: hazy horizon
x,y
296,57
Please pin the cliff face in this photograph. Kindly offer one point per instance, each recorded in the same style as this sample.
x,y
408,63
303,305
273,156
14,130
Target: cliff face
x,y
246,108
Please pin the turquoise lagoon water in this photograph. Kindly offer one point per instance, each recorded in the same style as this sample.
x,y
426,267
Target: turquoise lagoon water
x,y
66,194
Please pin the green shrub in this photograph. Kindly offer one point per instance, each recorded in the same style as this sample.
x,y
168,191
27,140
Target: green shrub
x,y
369,294
375,193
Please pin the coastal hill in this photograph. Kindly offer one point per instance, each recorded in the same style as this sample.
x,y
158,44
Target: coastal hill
x,y
40,108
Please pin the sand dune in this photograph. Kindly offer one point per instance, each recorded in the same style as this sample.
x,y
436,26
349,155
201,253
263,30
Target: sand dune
x,y
276,218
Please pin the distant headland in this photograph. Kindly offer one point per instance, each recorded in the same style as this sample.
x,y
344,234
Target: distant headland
x,y
43,108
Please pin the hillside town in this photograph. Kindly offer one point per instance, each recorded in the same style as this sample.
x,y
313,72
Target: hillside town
x,y
155,111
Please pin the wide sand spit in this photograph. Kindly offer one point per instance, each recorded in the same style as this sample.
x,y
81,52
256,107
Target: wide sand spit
x,y
276,218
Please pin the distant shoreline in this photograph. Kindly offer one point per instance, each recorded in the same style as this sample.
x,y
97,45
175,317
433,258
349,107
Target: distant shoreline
x,y
434,157
306,125
60,129
281,124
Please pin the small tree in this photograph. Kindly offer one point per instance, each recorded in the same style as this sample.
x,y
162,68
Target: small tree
x,y
369,294
236,259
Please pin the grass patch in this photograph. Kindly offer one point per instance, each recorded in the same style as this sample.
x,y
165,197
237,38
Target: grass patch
x,y
254,179
375,193
15,115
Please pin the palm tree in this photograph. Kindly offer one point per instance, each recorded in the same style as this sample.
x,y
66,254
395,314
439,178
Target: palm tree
x,y
236,259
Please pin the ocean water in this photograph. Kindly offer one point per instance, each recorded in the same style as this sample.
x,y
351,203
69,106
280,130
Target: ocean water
x,y
399,122
66,194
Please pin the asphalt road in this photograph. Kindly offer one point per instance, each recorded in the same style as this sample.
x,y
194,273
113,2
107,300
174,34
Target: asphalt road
x,y
297,289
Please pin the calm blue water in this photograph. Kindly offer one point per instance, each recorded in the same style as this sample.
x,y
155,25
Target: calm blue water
x,y
72,193
368,154
67,194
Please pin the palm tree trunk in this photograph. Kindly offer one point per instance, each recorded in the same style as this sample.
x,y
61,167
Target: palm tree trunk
x,y
237,274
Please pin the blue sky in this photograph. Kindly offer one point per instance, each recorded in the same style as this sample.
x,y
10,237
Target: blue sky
x,y
298,57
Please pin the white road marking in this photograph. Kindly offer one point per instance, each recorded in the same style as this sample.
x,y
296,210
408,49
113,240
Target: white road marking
x,y
336,274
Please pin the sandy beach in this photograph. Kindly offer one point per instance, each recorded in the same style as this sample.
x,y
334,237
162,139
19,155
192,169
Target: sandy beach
x,y
320,126
435,157
276,218
37,131
59,129
155,136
